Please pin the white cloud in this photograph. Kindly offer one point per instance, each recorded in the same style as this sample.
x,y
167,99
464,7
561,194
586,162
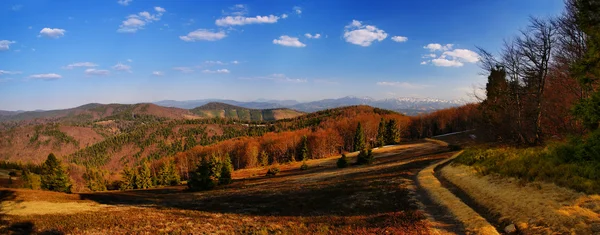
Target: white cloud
x,y
443,62
122,67
363,35
278,77
405,85
423,62
235,62
124,2
238,10
160,9
213,62
297,10
133,23
80,64
399,39
316,36
129,60
463,55
158,73
3,72
46,76
242,20
216,71
438,47
5,44
99,72
184,69
203,34
288,41
52,33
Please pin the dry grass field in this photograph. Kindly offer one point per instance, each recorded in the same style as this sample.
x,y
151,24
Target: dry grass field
x,y
374,199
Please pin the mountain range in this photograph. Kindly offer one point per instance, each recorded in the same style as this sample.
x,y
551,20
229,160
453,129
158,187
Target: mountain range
x,y
408,106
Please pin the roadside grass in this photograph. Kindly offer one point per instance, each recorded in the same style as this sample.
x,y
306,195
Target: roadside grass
x,y
557,163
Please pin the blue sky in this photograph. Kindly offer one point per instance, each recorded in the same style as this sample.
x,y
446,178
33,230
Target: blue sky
x,y
61,54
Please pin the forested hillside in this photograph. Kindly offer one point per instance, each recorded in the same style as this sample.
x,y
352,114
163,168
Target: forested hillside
x,y
222,110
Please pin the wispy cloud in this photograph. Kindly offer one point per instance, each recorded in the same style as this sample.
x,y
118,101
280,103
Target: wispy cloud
x,y
277,77
16,7
97,72
183,69
203,35
80,64
5,44
46,76
4,72
122,67
288,41
311,36
297,10
158,73
124,2
242,20
363,35
216,71
135,22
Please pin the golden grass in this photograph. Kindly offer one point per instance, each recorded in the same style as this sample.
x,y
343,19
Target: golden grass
x,y
473,222
45,208
534,207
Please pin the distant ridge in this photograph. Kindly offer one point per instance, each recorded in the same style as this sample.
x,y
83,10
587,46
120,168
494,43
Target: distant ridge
x,y
223,110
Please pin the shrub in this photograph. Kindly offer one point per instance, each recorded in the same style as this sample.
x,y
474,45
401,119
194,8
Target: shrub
x,y
342,162
365,157
273,171
304,166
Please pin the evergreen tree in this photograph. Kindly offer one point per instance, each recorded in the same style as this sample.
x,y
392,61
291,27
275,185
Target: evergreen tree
x,y
381,133
206,175
359,138
129,179
303,149
342,162
54,177
365,157
143,179
226,169
94,180
391,132
31,180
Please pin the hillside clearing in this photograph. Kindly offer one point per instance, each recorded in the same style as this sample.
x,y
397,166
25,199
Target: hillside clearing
x,y
374,199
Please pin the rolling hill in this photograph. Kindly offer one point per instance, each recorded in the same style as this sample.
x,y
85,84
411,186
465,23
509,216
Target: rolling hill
x,y
223,110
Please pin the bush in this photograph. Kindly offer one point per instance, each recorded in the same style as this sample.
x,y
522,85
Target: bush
x,y
365,157
304,166
342,162
273,171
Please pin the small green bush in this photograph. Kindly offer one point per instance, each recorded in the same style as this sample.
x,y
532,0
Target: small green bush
x,y
342,162
304,166
365,157
273,171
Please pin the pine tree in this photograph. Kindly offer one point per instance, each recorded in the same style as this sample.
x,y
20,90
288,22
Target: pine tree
x,y
365,157
359,138
342,162
54,177
203,178
391,132
303,149
226,169
381,133
143,179
129,179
